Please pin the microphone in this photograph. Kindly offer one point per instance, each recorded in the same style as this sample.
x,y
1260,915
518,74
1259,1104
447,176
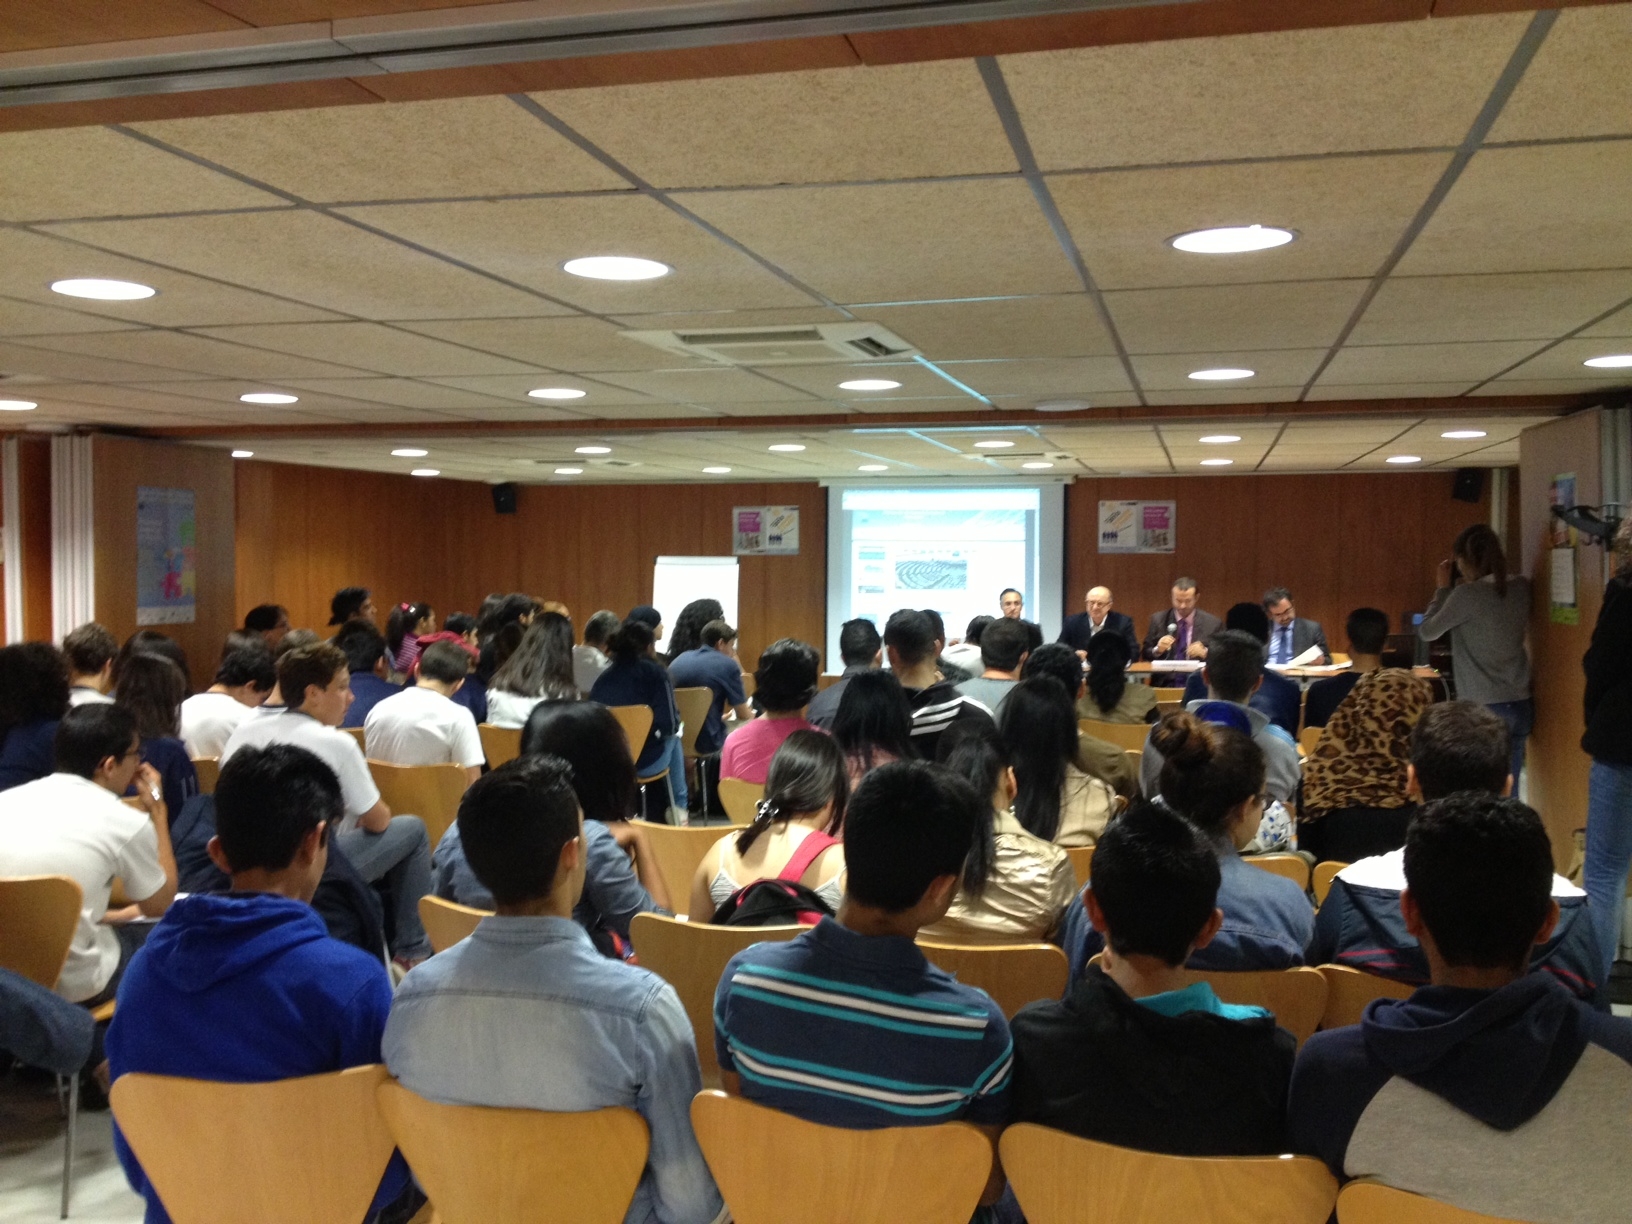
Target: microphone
x,y
1172,628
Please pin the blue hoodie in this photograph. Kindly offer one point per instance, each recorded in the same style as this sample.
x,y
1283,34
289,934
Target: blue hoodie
x,y
246,988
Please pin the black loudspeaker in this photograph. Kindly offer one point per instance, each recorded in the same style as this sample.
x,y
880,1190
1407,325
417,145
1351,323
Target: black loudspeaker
x,y
504,498
1470,484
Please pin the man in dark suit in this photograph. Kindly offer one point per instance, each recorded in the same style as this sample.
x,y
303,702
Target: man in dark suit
x,y
1098,619
1182,631
1290,634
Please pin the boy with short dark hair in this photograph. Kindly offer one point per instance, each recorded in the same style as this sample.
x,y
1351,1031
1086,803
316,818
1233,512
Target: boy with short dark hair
x,y
423,724
90,651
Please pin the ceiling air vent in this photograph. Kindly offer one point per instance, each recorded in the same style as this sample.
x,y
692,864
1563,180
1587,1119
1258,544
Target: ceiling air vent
x,y
812,344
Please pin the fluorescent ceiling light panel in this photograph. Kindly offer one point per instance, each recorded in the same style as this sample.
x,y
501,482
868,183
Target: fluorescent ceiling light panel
x,y
410,452
869,384
11,405
269,397
103,290
1614,361
1222,374
616,268
1232,239
557,393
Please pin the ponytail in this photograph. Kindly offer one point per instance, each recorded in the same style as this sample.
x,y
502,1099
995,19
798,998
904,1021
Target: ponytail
x,y
400,624
1207,769
1482,549
806,774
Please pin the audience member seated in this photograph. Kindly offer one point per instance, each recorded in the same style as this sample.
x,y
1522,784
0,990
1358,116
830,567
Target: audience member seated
x,y
1056,800
33,699
1015,887
1291,634
388,851
269,622
525,1014
364,648
351,604
911,645
72,823
499,628
1354,782
873,725
1110,697
152,689
713,665
152,642
1277,697
423,725
649,616
586,736
1367,631
244,680
1493,1089
945,668
89,651
589,660
1133,1055
1004,645
795,833
887,1016
784,683
637,678
247,986
539,670
464,625
1095,757
295,639
407,623
1457,746
1080,628
688,628
965,655
472,694
860,650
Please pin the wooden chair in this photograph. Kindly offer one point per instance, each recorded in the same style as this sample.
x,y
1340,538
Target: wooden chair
x,y
447,922
1349,990
693,704
1013,974
1164,708
1062,1179
1169,694
1123,735
774,1168
679,850
1080,857
1308,738
691,957
499,744
356,733
209,772
636,721
431,792
300,1151
1296,997
1293,866
515,1166
1325,873
1136,757
740,799
1368,1202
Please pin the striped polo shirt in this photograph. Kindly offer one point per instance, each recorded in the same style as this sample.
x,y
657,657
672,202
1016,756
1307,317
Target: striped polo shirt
x,y
862,1032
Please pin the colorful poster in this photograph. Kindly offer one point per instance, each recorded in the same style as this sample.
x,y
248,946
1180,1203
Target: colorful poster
x,y
1138,526
166,557
1561,493
765,531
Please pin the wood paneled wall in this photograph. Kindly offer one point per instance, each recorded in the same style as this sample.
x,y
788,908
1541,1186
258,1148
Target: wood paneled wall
x,y
34,533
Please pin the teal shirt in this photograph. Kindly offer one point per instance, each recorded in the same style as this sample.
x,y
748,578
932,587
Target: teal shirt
x,y
1198,996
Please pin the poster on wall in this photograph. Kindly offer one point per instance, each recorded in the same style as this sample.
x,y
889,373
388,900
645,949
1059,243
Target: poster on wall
x,y
1563,580
166,557
765,531
1137,526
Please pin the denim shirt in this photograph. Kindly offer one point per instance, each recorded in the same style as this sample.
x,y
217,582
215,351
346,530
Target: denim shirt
x,y
525,1014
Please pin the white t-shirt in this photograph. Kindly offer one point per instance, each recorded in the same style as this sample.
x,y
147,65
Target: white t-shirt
x,y
419,726
208,721
509,709
84,694
337,749
587,666
67,825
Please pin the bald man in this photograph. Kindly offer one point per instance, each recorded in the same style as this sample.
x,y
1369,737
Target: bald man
x,y
1098,619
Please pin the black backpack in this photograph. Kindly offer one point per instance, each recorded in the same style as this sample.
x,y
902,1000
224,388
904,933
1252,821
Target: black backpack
x,y
772,903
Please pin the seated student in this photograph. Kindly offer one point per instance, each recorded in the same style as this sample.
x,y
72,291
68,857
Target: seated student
x,y
1278,698
389,851
1367,630
1110,698
1095,757
888,1015
152,688
688,628
713,665
784,683
242,683
33,699
90,651
1457,746
1493,1089
873,724
589,660
540,669
1004,645
965,655
1132,1055
637,678
364,648
152,642
423,725
1056,800
861,650
407,623
472,693
268,621
72,823
794,835
525,1014
352,604
247,986
911,644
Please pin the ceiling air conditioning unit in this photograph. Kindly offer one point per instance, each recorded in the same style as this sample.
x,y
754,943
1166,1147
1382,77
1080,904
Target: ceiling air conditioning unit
x,y
804,344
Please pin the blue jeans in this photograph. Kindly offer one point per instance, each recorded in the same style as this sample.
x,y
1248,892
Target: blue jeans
x,y
400,856
1520,717
1609,853
674,756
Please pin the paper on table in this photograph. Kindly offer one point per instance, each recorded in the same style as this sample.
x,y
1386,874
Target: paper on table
x,y
1305,659
1176,665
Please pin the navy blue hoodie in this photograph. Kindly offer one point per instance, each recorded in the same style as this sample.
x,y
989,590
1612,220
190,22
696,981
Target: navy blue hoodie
x,y
246,988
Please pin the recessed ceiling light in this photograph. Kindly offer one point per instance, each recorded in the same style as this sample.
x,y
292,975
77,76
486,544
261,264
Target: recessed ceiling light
x,y
1217,462
1220,439
1462,435
869,384
410,452
994,444
103,290
241,454
592,450
1615,361
17,405
874,467
1232,239
716,471
1063,406
426,472
269,397
1223,374
1036,466
557,393
1404,459
787,447
569,471
616,268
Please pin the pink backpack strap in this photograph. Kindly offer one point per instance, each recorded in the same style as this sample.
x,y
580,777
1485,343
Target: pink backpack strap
x,y
807,853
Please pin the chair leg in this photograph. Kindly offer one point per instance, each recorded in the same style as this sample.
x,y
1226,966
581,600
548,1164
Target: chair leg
x,y
68,1142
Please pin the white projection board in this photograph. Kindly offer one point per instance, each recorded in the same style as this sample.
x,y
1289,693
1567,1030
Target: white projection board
x,y
676,581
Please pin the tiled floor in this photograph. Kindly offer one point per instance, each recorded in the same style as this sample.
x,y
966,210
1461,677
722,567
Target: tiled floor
x,y
31,1162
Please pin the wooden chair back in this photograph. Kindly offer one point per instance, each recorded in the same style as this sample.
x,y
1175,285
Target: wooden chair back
x,y
38,916
1013,974
515,1166
356,733
740,799
1164,708
679,850
431,792
1062,1179
1175,695
499,744
1349,990
1123,735
1296,997
1293,866
299,1151
1308,738
447,922
691,957
774,1168
636,721
1081,857
1325,873
1136,758
693,705
209,772
1368,1202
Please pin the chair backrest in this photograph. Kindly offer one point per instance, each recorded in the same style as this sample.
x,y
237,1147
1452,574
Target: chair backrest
x,y
1013,974
636,721
431,792
447,922
299,1151
1136,758
692,703
209,772
1296,997
356,733
1168,694
1325,873
1308,738
38,915
1081,857
1123,735
679,849
1367,1202
1293,866
1061,1179
1164,708
499,744
691,957
774,1168
740,799
1349,990
514,1166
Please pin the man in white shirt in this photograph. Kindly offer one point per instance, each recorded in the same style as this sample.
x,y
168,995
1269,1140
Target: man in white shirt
x,y
589,660
424,725
71,823
242,682
390,850
90,651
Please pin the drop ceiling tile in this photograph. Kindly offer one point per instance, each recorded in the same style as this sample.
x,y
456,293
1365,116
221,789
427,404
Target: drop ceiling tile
x,y
1062,379
1577,85
681,320
1099,399
1057,325
1348,213
825,125
532,410
515,387
1326,390
707,386
930,406
874,243
1261,95
187,397
1568,390
1618,326
1324,431
1564,361
21,319
1423,362
1523,306
195,354
916,380
25,359
1163,374
401,392
577,344
1221,319
1225,395
773,408
1428,432
368,346
397,150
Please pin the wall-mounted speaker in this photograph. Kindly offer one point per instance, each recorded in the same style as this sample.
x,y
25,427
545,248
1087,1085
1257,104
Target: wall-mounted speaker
x,y
504,498
1470,484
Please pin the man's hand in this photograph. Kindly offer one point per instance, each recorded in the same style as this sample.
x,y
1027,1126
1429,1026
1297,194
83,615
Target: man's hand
x,y
150,792
1165,644
630,839
1198,650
